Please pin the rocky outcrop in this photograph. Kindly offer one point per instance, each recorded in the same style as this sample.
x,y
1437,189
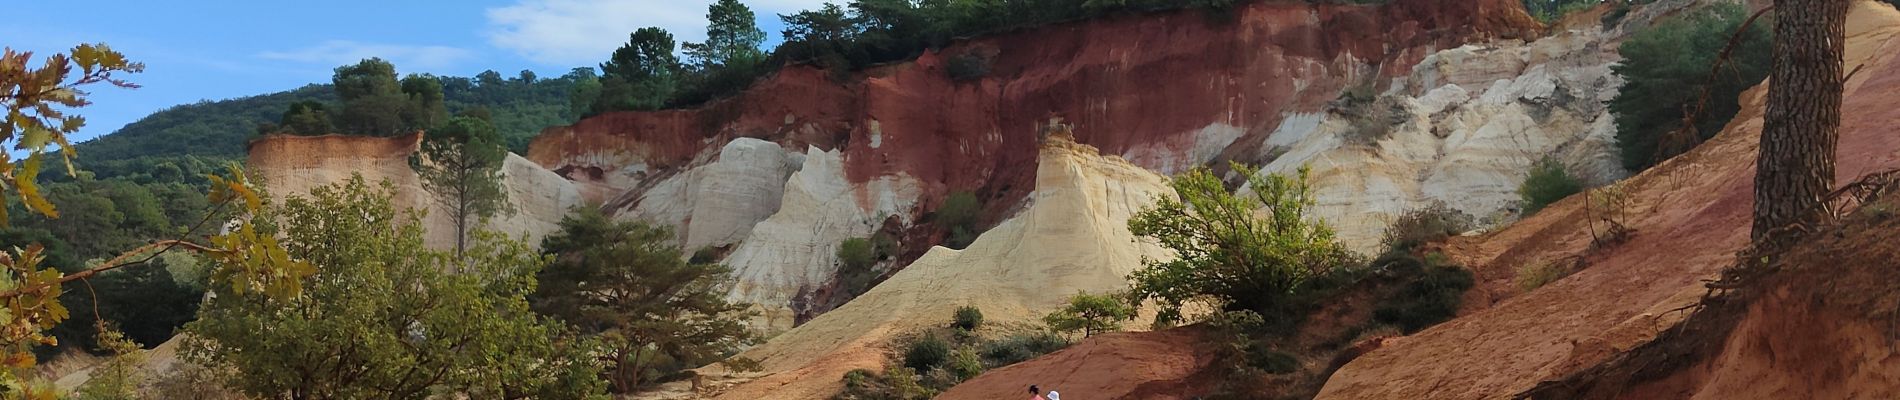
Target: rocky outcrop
x,y
1690,217
1072,237
1462,128
715,202
795,249
292,165
1167,91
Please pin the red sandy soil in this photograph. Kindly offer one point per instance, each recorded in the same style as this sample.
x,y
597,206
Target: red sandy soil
x,y
1824,328
1157,365
1692,214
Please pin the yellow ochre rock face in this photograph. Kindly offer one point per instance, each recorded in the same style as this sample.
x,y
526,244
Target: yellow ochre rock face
x,y
293,165
1072,237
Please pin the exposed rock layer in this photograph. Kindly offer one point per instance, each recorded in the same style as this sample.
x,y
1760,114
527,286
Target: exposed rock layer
x,y
1072,237
292,165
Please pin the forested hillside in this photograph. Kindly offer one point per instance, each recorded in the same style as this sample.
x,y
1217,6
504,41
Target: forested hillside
x,y
217,130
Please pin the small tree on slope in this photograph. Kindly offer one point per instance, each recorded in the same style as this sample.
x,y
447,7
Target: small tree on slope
x,y
1226,257
460,163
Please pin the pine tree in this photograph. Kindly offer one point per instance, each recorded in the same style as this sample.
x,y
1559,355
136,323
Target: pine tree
x,y
1799,132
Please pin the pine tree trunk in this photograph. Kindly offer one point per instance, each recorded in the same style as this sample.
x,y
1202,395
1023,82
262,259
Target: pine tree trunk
x,y
1803,120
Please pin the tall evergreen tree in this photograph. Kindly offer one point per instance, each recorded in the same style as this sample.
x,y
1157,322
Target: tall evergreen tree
x,y
642,75
460,163
628,283
732,34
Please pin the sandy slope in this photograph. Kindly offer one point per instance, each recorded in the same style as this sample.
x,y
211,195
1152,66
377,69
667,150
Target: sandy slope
x,y
1692,215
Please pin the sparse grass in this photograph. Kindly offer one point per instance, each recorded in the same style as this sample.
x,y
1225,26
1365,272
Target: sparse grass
x,y
1535,275
1431,223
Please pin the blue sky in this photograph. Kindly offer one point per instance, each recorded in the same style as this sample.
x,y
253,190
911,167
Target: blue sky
x,y
212,50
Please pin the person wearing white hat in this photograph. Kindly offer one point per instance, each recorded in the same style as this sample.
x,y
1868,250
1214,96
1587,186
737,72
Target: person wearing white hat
x,y
1054,396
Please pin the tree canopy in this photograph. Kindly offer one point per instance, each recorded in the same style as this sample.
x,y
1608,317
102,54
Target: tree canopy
x,y
628,283
1666,70
1228,258
385,317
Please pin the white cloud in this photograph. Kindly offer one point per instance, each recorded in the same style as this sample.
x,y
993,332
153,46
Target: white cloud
x,y
340,52
583,32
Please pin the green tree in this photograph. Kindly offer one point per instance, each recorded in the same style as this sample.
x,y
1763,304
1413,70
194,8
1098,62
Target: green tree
x,y
583,95
39,102
1666,70
460,163
373,101
641,75
629,284
426,107
308,117
732,35
385,317
119,377
1548,182
1091,314
1228,258
730,58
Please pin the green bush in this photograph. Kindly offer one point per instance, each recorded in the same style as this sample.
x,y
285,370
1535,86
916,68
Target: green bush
x,y
1548,11
1547,183
1091,314
1665,69
1433,222
1271,361
1021,347
969,318
927,353
1430,299
857,256
1231,256
968,66
959,215
965,363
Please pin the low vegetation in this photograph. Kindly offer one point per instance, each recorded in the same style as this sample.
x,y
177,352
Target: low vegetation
x,y
968,319
857,261
1537,274
1548,11
933,360
959,216
1431,223
968,66
1548,181
1091,314
1431,295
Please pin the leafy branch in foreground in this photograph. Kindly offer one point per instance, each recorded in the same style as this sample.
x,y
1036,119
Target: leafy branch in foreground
x,y
29,291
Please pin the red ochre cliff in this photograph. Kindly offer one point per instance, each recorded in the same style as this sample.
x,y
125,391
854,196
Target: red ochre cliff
x,y
1142,86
